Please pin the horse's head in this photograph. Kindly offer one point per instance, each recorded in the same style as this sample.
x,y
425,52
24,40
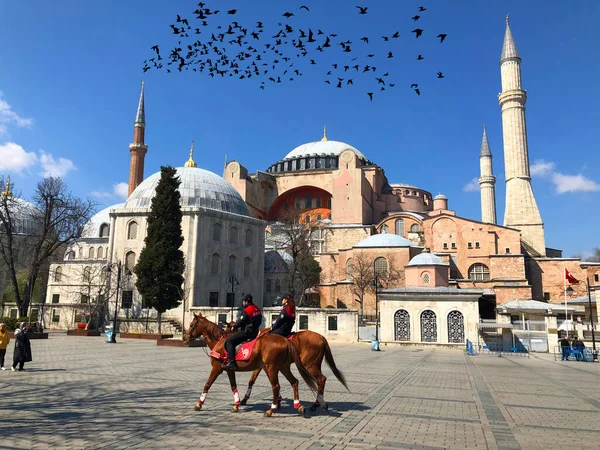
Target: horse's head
x,y
193,330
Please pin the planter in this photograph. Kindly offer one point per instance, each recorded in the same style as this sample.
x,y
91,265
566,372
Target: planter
x,y
179,343
150,336
31,336
78,332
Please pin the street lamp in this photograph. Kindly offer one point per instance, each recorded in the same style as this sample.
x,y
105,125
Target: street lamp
x,y
234,282
113,338
589,292
377,286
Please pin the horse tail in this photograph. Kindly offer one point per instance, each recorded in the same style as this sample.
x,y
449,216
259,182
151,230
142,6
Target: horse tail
x,y
308,378
331,363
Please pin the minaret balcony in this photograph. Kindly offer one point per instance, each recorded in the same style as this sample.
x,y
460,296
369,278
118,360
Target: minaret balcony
x,y
487,179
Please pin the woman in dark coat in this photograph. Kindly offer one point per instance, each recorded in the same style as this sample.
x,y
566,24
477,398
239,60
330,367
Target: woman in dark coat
x,y
22,352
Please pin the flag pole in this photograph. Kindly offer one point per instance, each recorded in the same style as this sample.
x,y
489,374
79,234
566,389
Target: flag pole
x,y
565,291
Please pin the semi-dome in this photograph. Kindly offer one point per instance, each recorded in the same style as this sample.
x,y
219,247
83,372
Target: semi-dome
x,y
426,259
92,228
325,147
198,188
440,197
384,240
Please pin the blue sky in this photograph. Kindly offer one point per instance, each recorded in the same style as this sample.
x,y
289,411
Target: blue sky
x,y
71,73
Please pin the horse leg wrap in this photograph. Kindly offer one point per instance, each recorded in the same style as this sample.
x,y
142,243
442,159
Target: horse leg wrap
x,y
273,406
320,399
296,404
202,398
248,392
236,397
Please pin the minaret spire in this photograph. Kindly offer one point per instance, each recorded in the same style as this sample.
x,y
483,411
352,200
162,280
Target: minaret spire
x,y
138,148
521,210
324,133
190,162
7,193
487,182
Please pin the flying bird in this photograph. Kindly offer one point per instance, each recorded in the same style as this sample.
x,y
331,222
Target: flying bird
x,y
442,36
440,75
232,11
414,85
422,8
417,17
304,7
417,31
287,15
420,57
418,91
370,94
363,9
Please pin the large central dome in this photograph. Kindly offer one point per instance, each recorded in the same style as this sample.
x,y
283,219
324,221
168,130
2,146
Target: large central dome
x,y
199,188
324,147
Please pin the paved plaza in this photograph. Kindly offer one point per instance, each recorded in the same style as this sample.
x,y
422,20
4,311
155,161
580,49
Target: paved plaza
x,y
83,393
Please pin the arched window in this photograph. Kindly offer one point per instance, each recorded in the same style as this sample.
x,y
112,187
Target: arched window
x,y
425,277
381,267
428,326
402,325
105,273
233,235
91,253
307,218
80,253
217,232
400,227
231,266
130,261
268,286
349,269
385,229
100,252
248,238
319,217
215,264
277,285
104,230
132,230
58,274
247,267
479,272
456,327
87,274
329,216
414,228
70,255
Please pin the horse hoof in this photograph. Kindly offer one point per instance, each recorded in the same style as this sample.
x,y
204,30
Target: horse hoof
x,y
198,407
269,413
244,402
313,408
325,406
235,408
301,410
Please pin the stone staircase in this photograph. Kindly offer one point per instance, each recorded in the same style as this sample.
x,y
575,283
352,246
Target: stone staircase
x,y
174,325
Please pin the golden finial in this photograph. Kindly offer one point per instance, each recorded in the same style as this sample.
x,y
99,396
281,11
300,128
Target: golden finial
x,y
324,133
190,162
507,19
426,250
7,193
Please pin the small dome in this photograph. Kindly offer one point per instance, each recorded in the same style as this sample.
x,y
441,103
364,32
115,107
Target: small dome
x,y
198,188
426,259
384,240
440,197
322,148
92,228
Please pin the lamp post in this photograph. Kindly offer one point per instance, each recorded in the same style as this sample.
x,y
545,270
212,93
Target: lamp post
x,y
234,282
113,338
569,291
377,286
589,292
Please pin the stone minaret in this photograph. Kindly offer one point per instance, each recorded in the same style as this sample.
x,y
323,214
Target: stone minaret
x,y
487,182
521,208
137,148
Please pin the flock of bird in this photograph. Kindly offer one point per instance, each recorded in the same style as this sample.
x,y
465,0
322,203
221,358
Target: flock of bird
x,y
234,50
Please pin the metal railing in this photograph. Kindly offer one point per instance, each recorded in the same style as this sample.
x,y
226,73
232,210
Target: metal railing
x,y
571,354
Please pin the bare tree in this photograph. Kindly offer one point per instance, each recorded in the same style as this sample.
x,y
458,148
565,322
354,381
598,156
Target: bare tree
x,y
58,218
88,285
362,274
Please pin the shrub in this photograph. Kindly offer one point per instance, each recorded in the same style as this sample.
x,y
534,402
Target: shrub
x,y
12,323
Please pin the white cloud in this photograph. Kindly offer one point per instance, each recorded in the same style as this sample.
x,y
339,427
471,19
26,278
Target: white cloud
x,y
53,167
573,183
8,117
14,158
121,190
472,186
541,168
99,194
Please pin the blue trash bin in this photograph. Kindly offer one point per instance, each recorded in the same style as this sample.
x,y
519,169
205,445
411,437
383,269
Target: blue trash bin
x,y
375,345
108,336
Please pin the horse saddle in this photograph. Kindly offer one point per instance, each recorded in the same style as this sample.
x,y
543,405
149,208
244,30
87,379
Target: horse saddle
x,y
243,351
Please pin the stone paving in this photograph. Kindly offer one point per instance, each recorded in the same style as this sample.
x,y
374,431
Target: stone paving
x,y
80,392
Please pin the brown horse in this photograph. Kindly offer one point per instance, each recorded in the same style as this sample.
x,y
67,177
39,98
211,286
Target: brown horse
x,y
313,348
274,354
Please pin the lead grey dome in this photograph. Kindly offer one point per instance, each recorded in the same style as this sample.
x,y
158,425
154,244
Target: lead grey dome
x,y
384,240
198,188
427,259
92,228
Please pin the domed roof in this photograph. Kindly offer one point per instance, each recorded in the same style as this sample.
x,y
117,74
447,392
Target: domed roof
x,y
426,259
384,240
323,147
92,228
26,218
440,197
199,188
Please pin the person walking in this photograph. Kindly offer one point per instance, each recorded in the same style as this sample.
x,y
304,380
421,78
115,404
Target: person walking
x,y
22,352
4,340
565,346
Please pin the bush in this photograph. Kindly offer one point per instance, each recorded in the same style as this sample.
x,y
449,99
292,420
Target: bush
x,y
11,323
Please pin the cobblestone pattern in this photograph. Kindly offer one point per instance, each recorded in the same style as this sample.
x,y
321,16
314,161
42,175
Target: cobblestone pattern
x,y
80,392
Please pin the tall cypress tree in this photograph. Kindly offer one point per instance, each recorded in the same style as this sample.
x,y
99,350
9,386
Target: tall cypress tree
x,y
161,264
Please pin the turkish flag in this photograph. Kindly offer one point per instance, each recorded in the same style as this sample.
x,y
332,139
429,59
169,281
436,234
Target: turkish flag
x,y
570,278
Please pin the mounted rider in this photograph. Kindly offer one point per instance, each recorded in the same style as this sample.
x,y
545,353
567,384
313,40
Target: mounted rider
x,y
248,325
284,324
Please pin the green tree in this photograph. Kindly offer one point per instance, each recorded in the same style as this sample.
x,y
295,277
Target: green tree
x,y
161,264
9,296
